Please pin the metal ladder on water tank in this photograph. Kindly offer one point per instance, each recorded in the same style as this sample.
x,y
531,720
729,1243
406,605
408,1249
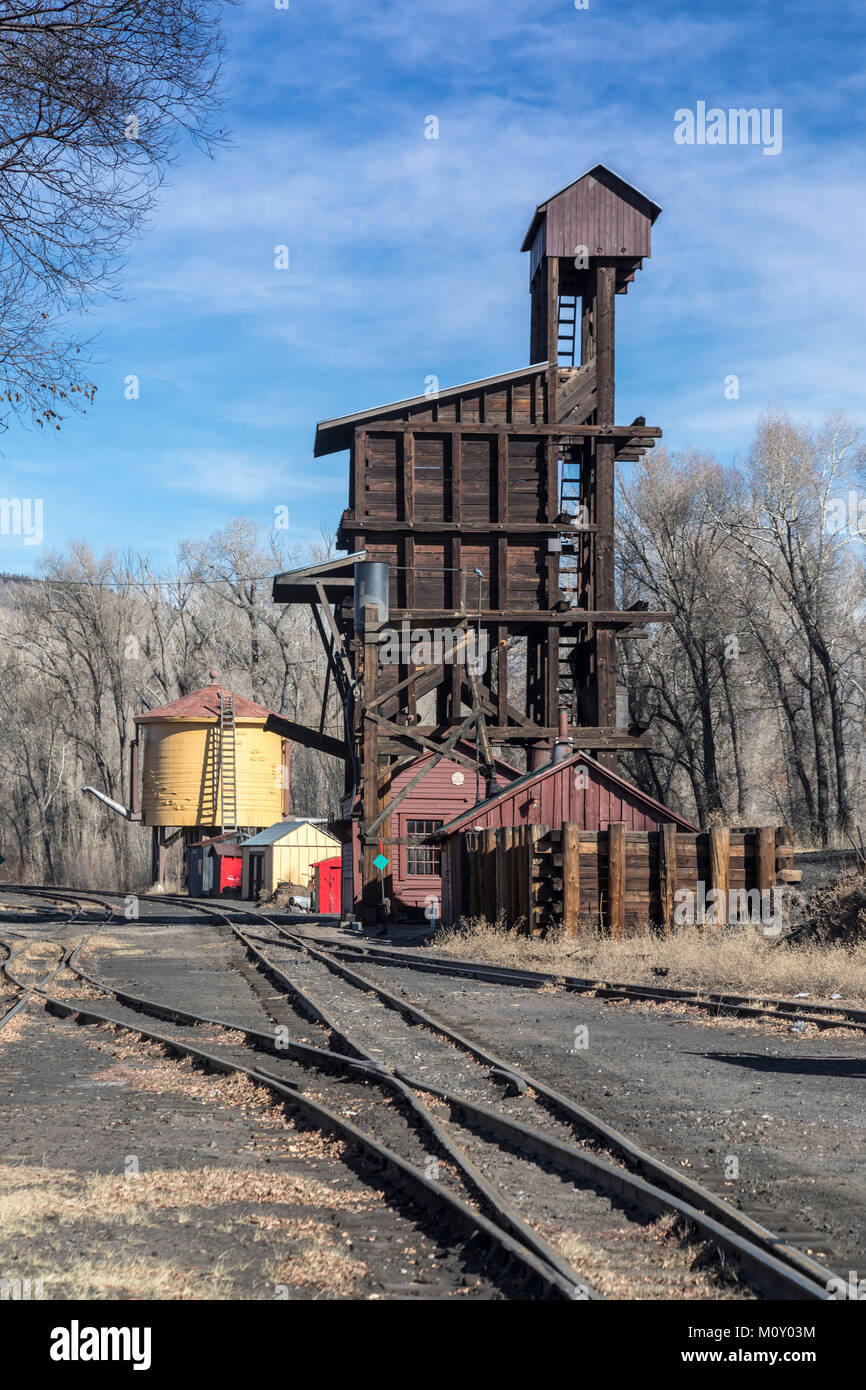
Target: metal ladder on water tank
x,y
228,762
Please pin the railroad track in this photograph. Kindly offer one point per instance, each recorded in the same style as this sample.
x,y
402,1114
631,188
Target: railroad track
x,y
824,1015
479,1127
635,1176
22,941
516,1263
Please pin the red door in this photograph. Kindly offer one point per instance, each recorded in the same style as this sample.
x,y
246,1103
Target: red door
x,y
328,874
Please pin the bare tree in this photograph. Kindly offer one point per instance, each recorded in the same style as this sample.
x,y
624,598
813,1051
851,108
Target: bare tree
x,y
93,95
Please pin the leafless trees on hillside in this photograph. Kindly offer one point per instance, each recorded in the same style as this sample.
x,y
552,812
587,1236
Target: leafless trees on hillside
x,y
99,640
757,687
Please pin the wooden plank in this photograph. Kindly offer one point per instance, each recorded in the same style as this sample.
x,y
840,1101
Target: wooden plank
x,y
571,878
765,859
667,874
616,880
563,431
720,871
408,477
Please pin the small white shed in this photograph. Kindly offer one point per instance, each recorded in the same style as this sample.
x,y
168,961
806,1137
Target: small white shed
x,y
285,853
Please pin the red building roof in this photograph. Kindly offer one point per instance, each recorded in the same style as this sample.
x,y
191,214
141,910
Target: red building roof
x,y
550,797
203,704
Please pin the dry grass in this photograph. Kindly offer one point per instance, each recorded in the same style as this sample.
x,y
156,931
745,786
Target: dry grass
x,y
45,1199
739,959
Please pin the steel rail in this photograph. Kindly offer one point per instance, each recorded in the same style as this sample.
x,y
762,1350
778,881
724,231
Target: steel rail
x,y
28,991
776,1267
825,1015
537,1272
665,1179
359,1062
771,1273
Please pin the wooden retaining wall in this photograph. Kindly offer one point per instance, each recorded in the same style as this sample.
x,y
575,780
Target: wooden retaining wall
x,y
627,881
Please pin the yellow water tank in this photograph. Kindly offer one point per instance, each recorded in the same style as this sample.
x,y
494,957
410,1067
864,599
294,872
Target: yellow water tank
x,y
183,767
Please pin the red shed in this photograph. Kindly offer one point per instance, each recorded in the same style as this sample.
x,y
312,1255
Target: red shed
x,y
326,893
414,875
577,789
227,867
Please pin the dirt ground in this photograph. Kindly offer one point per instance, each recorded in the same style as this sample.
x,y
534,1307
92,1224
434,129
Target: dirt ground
x,y
127,1174
785,1107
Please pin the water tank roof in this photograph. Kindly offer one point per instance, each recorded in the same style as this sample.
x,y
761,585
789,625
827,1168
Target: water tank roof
x,y
203,704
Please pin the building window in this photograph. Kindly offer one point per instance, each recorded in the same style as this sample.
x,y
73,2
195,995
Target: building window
x,y
423,861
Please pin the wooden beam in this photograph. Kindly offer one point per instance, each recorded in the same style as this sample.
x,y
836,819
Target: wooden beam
x,y
583,737
494,428
571,617
307,738
413,737
442,751
571,878
667,874
616,884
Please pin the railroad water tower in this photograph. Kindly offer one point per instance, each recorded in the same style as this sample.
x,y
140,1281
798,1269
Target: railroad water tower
x,y
205,765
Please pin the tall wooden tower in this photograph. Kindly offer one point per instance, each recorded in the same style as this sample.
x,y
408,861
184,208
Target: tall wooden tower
x,y
492,505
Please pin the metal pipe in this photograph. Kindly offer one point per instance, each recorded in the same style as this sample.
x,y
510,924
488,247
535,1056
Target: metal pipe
x,y
564,744
115,805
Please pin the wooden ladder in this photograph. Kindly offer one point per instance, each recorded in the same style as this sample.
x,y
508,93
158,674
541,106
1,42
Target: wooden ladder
x,y
228,762
566,330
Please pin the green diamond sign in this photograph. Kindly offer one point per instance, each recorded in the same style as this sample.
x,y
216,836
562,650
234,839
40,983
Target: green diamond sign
x,y
381,862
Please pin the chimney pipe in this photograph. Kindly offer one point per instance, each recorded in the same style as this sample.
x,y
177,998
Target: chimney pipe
x,y
564,742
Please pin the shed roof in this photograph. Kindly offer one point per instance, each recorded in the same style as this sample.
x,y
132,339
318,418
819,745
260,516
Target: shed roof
x,y
530,779
336,434
228,848
273,833
204,704
615,182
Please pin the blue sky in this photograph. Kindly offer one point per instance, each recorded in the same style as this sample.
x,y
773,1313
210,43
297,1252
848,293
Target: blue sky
x,y
404,251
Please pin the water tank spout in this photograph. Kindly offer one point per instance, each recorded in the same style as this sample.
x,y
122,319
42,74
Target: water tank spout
x,y
115,805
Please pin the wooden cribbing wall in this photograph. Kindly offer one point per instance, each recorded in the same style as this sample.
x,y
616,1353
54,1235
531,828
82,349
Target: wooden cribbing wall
x,y
627,881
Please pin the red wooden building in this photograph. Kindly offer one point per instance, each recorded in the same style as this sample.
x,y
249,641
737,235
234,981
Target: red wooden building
x,y
576,789
413,875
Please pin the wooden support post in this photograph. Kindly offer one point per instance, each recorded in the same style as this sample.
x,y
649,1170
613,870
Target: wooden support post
x,y
533,834
720,872
509,895
616,880
785,871
765,863
667,874
501,873
605,482
470,841
488,840
571,878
